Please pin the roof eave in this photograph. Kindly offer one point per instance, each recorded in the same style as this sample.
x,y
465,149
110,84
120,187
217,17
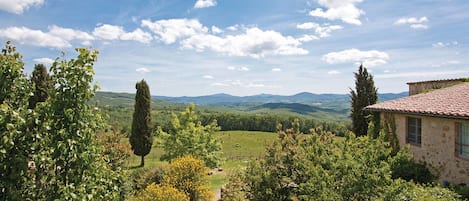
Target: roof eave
x,y
420,113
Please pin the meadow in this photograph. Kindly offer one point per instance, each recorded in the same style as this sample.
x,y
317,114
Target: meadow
x,y
238,148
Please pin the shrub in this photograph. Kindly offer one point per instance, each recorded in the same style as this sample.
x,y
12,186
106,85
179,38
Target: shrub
x,y
115,153
403,190
404,167
462,190
235,189
188,175
322,168
145,176
157,192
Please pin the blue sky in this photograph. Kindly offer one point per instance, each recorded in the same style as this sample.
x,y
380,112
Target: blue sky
x,y
246,47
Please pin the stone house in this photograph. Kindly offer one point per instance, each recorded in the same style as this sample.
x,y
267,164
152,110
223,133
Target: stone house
x,y
434,121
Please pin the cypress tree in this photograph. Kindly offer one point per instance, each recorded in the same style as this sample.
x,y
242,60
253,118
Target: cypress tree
x,y
365,94
41,83
141,139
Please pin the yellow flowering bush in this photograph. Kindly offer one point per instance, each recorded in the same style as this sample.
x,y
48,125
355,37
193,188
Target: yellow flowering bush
x,y
157,192
188,175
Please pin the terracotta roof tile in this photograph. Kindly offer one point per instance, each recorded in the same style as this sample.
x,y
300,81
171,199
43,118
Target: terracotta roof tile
x,y
451,102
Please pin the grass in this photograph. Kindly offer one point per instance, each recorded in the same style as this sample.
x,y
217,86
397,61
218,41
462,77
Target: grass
x,y
238,147
244,145
151,160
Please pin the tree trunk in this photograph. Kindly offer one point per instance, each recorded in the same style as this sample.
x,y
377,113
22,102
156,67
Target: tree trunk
x,y
142,162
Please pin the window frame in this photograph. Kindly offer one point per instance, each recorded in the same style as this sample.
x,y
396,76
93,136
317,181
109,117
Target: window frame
x,y
417,131
458,143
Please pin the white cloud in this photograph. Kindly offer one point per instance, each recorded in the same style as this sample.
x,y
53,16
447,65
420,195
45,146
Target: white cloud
x,y
419,26
44,60
321,31
443,44
209,77
421,74
71,34
447,63
254,43
108,32
137,35
220,84
239,83
113,32
205,3
19,6
276,70
143,70
216,30
333,72
344,10
240,68
28,36
307,38
171,30
413,22
233,27
368,58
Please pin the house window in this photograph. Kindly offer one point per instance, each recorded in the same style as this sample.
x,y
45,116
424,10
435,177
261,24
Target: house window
x,y
463,139
414,131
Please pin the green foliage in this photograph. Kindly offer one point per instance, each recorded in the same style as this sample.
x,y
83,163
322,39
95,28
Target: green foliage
x,y
50,153
404,167
364,94
141,137
15,141
188,175
115,153
141,178
156,192
187,136
235,189
75,162
461,189
318,167
389,129
402,190
268,122
374,125
13,82
41,85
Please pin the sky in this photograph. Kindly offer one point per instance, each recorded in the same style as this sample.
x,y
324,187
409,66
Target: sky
x,y
246,47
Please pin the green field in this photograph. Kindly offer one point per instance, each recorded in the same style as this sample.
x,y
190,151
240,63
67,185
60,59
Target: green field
x,y
238,147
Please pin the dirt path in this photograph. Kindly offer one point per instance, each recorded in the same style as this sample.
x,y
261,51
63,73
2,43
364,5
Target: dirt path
x,y
217,195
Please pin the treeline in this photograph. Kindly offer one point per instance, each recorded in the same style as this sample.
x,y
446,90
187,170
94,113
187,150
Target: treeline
x,y
268,123
118,118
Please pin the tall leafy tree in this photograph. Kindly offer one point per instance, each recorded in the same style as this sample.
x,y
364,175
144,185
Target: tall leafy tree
x,y
14,142
187,136
364,94
40,81
57,158
141,139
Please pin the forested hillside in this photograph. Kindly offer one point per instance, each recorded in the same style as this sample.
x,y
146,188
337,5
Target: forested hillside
x,y
240,113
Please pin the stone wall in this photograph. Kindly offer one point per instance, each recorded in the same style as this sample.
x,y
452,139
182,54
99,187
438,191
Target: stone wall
x,y
438,147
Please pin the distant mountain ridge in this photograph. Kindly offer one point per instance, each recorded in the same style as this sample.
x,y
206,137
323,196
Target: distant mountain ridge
x,y
303,98
331,107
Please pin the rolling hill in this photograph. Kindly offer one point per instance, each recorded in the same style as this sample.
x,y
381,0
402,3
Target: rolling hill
x,y
303,98
321,106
